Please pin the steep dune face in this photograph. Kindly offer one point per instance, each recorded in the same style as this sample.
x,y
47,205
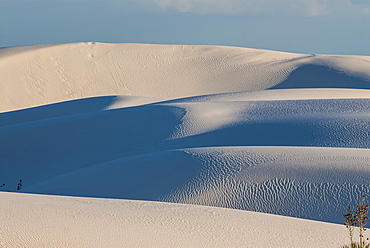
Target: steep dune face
x,y
32,76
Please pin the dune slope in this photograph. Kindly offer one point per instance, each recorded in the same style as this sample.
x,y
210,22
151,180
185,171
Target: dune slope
x,y
48,221
310,183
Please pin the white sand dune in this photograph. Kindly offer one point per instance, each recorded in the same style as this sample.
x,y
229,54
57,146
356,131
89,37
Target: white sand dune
x,y
246,129
48,221
46,74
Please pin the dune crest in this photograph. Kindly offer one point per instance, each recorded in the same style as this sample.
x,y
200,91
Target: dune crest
x,y
39,75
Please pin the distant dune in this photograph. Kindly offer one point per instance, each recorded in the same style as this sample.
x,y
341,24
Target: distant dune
x,y
237,128
39,75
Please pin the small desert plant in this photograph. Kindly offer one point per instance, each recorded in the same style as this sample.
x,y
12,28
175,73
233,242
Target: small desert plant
x,y
357,218
357,245
19,187
361,217
350,222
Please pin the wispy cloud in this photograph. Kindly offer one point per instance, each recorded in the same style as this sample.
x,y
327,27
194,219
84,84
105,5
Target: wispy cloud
x,y
274,7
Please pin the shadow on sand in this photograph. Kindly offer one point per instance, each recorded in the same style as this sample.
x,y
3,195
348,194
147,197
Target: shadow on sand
x,y
317,76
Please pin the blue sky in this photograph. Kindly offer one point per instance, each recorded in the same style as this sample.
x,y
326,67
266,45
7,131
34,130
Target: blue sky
x,y
301,26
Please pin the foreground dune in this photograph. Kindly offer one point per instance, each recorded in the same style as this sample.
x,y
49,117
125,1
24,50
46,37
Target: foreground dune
x,y
49,221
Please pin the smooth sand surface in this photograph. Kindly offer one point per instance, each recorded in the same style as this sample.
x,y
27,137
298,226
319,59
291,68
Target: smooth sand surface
x,y
50,221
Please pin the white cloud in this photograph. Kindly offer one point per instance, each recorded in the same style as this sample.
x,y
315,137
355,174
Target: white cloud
x,y
272,7
315,9
179,5
200,6
366,11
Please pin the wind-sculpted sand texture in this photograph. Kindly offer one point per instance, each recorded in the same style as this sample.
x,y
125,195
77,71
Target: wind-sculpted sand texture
x,y
310,183
237,128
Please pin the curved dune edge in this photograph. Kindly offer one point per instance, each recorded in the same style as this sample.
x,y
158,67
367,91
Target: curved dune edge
x,y
55,221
